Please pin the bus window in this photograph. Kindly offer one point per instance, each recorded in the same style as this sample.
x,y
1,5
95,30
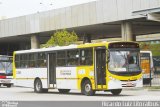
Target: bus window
x,y
41,60
6,65
124,61
32,61
23,61
86,57
61,58
73,57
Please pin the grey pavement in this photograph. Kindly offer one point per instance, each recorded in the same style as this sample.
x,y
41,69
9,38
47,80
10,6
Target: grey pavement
x,y
27,94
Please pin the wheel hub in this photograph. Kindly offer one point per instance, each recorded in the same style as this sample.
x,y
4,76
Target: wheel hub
x,y
87,87
38,86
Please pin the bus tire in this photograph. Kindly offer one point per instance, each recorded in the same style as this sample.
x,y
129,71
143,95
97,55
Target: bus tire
x,y
0,85
116,91
86,88
38,86
9,85
64,91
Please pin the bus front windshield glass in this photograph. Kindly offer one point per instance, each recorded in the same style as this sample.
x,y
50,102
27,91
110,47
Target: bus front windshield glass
x,y
124,61
5,66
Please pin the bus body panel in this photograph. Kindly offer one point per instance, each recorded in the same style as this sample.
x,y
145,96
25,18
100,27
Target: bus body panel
x,y
66,78
26,77
85,72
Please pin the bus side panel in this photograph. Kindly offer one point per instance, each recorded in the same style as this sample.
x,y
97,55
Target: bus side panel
x,y
66,78
86,72
26,77
14,66
24,82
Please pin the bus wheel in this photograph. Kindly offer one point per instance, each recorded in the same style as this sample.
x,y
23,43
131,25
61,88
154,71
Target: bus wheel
x,y
64,90
116,91
8,85
38,86
0,85
87,88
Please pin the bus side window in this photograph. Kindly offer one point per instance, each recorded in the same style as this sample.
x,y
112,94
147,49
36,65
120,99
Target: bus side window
x,y
23,61
73,57
86,56
41,60
32,61
61,58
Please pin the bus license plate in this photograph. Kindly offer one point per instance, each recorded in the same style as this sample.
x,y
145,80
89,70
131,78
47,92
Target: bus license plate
x,y
5,81
129,84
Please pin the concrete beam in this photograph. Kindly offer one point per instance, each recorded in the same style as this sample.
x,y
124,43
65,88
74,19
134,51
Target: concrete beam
x,y
35,42
126,31
153,17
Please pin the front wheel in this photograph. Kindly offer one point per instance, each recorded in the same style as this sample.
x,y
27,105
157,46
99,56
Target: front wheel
x,y
38,86
64,91
116,91
87,88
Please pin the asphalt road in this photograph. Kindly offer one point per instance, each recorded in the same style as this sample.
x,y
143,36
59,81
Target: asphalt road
x,y
27,94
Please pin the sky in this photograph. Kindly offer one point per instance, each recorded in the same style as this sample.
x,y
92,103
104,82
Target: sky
x,y
15,8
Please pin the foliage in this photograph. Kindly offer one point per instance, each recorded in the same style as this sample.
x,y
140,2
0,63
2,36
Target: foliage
x,y
62,38
155,48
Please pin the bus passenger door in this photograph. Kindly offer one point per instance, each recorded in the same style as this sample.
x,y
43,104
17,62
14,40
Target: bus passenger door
x,y
100,67
52,69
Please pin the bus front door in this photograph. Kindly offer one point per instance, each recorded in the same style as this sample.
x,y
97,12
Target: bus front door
x,y
100,67
52,69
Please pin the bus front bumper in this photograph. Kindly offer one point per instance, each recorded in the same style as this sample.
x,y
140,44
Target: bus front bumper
x,y
118,84
6,81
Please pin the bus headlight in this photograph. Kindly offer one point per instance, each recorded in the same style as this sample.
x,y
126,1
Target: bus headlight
x,y
91,73
114,79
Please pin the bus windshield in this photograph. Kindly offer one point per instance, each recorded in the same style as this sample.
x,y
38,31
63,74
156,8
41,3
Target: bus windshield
x,y
124,61
5,65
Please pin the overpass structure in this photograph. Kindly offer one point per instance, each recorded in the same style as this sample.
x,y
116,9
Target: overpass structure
x,y
97,20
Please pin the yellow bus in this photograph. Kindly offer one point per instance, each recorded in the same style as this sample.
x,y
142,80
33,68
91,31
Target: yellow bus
x,y
106,66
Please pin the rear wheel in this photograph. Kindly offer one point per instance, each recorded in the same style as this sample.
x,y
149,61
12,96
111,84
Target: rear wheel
x,y
38,86
64,90
87,88
116,91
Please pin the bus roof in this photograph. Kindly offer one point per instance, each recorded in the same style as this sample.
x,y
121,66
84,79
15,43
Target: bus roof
x,y
66,47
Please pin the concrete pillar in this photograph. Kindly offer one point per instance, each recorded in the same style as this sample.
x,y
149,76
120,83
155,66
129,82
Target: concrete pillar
x,y
35,42
127,32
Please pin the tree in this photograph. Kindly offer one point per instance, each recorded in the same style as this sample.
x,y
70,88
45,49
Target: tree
x,y
147,46
61,38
